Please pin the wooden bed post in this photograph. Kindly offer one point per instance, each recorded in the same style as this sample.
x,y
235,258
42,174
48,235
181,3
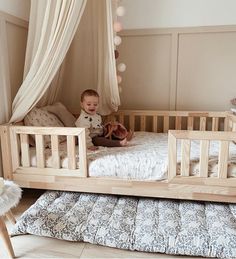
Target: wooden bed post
x,y
6,152
172,156
83,154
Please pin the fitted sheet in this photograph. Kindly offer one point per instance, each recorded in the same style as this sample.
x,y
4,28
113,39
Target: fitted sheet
x,y
144,158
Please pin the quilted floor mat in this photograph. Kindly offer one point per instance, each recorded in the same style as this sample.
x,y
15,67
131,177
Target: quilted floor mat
x,y
142,224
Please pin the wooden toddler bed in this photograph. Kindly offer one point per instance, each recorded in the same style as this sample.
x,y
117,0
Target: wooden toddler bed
x,y
182,126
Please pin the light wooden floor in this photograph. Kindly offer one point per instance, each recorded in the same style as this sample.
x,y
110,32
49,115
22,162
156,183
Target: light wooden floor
x,y
30,246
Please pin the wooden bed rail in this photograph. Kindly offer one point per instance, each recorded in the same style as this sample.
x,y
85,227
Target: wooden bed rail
x,y
162,121
186,137
18,137
182,126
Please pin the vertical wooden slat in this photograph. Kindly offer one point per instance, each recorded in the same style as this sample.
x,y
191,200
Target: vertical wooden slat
x,y
143,123
71,154
185,157
172,157
234,126
223,159
83,154
55,151
190,123
202,123
110,118
121,118
131,122
226,123
40,151
14,150
204,154
154,123
24,141
178,120
166,124
6,156
215,124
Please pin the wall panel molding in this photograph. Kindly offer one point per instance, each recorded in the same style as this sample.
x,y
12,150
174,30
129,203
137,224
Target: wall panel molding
x,y
13,38
184,47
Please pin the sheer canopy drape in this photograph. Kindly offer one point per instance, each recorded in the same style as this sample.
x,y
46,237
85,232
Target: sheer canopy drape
x,y
52,27
107,85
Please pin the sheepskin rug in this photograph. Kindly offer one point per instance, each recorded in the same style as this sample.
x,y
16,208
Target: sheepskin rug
x,y
9,197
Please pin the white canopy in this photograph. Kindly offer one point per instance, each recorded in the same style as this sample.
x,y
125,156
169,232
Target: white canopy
x,y
52,27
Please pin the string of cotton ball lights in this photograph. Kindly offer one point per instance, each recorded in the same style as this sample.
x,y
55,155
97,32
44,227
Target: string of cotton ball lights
x,y
117,26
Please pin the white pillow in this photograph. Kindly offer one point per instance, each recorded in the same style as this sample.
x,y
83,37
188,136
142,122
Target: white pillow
x,y
62,113
42,118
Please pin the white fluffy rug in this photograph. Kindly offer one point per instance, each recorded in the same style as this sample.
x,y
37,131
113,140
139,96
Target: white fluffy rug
x,y
142,224
9,197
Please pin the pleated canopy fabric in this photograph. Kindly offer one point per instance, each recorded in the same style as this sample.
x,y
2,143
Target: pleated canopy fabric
x,y
52,27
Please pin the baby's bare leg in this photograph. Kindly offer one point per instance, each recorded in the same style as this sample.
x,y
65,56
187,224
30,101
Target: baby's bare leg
x,y
104,142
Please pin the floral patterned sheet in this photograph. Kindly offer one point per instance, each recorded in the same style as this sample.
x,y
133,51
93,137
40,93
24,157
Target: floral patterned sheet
x,y
144,158
143,224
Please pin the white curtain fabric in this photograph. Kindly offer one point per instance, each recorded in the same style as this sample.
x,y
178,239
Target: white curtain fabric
x,y
107,85
52,27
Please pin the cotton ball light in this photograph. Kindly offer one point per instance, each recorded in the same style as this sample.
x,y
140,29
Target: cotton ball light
x,y
119,79
120,11
120,89
121,67
117,40
117,26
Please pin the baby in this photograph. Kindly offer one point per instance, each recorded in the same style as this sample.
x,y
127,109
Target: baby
x,y
92,121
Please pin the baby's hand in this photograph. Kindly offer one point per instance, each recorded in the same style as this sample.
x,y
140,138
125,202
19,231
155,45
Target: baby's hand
x,y
93,148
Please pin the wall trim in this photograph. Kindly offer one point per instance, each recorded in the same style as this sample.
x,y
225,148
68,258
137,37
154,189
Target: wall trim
x,y
13,19
175,34
178,30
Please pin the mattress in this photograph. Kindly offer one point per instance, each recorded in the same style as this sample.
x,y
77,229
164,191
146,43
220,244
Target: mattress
x,y
144,224
144,158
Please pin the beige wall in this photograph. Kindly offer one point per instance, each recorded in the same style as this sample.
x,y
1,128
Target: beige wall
x,y
179,68
14,32
13,45
18,8
177,13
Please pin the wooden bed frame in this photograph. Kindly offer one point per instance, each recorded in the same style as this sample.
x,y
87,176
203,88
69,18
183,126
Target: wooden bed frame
x,y
187,126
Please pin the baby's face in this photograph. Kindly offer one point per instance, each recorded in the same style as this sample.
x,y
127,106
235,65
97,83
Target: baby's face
x,y
90,104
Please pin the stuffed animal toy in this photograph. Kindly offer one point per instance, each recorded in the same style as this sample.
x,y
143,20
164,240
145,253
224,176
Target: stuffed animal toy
x,y
115,130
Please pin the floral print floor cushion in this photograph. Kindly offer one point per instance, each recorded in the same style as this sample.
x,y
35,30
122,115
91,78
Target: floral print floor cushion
x,y
142,224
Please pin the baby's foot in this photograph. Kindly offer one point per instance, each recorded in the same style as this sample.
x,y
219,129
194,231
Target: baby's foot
x,y
130,135
123,142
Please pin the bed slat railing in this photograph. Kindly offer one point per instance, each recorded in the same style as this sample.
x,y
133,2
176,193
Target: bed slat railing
x,y
162,121
185,138
55,151
39,144
204,156
185,157
24,140
223,159
71,152
20,149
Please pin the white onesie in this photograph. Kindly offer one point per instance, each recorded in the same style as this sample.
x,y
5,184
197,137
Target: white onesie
x,y
93,124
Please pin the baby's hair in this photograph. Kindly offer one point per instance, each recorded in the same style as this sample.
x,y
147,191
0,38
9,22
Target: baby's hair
x,y
88,92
